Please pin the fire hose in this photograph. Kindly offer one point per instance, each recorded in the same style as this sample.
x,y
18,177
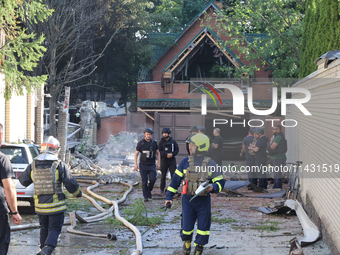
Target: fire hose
x,y
103,215
116,211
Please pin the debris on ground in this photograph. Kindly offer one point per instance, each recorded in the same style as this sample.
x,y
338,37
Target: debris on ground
x,y
114,157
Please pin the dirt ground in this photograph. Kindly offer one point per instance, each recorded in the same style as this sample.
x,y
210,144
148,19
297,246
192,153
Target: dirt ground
x,y
235,229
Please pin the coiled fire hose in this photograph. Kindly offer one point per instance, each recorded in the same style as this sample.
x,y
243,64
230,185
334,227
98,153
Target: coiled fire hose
x,y
116,210
103,215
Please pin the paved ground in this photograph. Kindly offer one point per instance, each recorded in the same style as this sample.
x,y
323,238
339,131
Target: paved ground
x,y
235,229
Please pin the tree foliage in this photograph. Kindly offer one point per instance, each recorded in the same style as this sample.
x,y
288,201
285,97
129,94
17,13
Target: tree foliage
x,y
321,32
21,50
269,31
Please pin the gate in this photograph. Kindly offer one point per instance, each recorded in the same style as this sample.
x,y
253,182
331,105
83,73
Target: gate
x,y
180,125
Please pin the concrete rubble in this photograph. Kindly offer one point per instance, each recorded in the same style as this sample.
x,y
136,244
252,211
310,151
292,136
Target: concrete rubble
x,y
116,156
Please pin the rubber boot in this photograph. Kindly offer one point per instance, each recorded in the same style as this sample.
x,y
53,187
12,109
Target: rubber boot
x,y
47,250
198,249
187,247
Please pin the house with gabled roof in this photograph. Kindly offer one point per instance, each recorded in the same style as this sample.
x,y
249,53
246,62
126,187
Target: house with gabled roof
x,y
169,94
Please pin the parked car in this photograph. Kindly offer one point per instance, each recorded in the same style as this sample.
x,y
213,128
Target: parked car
x,y
21,155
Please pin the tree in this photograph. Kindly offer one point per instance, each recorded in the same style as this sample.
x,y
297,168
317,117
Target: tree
x,y
20,50
70,56
266,30
321,32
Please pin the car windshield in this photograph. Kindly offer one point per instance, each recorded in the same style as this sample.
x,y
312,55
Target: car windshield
x,y
33,151
16,155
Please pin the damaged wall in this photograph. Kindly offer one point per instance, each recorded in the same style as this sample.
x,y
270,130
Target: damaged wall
x,y
111,125
315,140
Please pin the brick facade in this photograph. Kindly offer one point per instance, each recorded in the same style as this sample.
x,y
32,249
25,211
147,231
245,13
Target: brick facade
x,y
110,126
147,90
154,90
207,20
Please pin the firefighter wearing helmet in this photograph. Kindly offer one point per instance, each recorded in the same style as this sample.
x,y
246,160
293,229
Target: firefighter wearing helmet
x,y
48,174
194,171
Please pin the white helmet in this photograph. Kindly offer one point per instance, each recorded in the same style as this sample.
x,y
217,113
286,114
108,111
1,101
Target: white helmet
x,y
51,145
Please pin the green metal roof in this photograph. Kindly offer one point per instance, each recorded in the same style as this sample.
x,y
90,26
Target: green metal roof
x,y
156,40
187,103
212,3
251,37
218,38
159,51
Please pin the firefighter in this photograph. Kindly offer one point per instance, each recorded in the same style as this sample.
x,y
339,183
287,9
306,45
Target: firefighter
x,y
48,174
148,150
195,170
168,149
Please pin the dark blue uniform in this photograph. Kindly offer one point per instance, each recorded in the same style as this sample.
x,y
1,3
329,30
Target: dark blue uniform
x,y
200,207
165,147
147,165
50,208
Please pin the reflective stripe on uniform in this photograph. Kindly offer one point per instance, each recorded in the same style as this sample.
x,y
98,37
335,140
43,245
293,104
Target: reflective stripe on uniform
x,y
203,233
187,232
63,202
197,244
179,173
32,176
220,177
171,189
184,171
77,192
49,210
219,187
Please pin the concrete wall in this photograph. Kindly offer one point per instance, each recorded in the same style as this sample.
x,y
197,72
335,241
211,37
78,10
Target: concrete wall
x,y
315,140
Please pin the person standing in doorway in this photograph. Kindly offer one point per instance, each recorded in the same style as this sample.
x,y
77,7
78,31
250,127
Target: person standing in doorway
x,y
148,150
168,149
7,192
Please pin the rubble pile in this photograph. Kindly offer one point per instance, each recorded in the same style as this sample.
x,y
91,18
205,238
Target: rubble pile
x,y
118,153
114,157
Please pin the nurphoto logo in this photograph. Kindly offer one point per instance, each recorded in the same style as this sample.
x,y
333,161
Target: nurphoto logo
x,y
238,104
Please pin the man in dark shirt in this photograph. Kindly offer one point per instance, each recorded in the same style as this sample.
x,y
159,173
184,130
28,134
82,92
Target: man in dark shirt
x,y
260,157
168,149
193,130
202,130
278,143
6,188
216,150
148,150
250,157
